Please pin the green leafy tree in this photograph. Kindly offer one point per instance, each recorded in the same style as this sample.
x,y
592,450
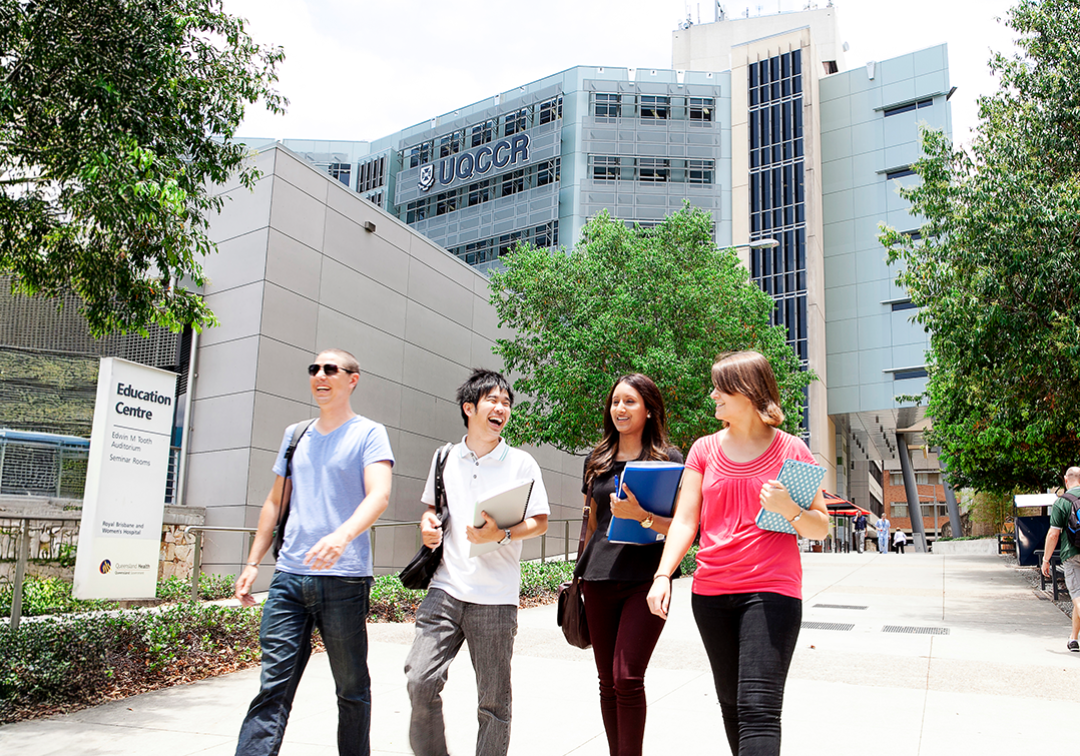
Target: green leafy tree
x,y
663,302
115,119
997,270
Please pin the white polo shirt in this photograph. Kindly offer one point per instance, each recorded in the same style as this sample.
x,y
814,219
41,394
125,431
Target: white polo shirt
x,y
493,578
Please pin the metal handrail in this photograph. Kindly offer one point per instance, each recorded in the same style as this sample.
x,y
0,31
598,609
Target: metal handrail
x,y
23,551
198,530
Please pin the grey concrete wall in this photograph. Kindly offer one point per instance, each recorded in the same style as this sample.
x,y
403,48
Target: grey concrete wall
x,y
297,273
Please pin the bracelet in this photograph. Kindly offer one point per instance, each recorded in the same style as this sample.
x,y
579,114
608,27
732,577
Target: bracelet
x,y
796,517
252,564
661,575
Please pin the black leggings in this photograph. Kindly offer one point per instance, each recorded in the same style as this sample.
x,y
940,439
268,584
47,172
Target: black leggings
x,y
749,638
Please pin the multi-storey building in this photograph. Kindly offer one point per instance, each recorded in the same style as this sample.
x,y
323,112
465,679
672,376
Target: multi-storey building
x,y
757,123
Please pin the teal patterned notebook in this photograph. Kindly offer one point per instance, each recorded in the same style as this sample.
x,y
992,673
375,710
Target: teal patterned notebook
x,y
802,480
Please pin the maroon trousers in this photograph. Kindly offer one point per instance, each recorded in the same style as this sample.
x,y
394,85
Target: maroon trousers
x,y
623,633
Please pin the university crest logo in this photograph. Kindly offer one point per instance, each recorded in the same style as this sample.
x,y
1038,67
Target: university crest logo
x,y
427,177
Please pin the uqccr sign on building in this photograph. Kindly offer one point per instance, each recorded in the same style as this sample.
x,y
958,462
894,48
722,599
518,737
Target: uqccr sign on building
x,y
124,501
476,162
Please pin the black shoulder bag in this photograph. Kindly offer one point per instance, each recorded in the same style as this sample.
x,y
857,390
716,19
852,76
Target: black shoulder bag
x,y
286,491
570,612
418,572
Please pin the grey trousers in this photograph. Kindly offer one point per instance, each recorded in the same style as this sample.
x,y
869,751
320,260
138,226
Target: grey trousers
x,y
442,624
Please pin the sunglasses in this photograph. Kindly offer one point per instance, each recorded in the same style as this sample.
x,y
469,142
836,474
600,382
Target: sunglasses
x,y
329,369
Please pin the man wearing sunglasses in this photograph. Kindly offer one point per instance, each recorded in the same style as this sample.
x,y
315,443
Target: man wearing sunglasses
x,y
340,478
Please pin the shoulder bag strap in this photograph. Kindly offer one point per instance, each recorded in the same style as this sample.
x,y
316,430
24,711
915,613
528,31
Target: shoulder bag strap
x,y
440,487
585,511
286,494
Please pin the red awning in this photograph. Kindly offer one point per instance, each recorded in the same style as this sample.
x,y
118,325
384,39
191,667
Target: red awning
x,y
842,507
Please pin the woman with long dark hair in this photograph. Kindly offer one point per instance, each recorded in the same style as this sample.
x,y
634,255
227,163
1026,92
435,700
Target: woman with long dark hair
x,y
617,576
747,591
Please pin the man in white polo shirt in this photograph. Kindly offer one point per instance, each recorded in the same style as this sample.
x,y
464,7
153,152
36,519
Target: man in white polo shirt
x,y
473,599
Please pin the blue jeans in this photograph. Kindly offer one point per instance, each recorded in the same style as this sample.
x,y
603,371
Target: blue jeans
x,y
338,607
442,624
749,638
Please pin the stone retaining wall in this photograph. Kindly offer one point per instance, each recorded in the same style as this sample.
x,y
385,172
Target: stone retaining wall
x,y
176,555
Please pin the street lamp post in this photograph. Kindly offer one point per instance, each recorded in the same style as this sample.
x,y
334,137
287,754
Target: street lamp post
x,y
758,244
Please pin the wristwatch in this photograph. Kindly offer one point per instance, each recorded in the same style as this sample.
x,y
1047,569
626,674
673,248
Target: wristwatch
x,y
506,540
647,522
796,517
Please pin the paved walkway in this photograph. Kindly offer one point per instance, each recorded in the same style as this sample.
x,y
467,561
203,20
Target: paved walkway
x,y
979,666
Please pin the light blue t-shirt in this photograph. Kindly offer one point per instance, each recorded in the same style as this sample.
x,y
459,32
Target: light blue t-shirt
x,y
327,487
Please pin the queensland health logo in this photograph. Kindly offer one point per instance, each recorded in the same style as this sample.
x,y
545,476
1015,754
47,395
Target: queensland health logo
x,y
477,162
105,567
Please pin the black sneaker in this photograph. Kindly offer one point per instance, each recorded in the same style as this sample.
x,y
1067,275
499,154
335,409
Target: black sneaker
x,y
1074,646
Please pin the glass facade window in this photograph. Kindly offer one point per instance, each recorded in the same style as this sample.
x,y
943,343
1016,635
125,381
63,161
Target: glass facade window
x,y
515,122
513,182
606,105
416,211
605,168
777,192
653,169
482,133
551,110
341,171
701,108
420,155
371,175
451,144
548,172
479,192
908,107
699,171
544,236
445,203
655,106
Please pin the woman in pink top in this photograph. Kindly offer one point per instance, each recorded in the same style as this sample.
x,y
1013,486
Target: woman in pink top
x,y
747,591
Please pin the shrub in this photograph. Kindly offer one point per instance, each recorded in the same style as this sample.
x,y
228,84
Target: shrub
x,y
212,587
85,659
391,601
42,596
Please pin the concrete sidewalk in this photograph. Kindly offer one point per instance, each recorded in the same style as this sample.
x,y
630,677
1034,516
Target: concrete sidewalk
x,y
913,654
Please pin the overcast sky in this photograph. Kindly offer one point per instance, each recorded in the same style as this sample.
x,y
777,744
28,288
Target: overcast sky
x,y
362,69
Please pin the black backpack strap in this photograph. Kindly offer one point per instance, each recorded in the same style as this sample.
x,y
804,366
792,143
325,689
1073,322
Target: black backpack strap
x,y
286,504
298,433
1071,498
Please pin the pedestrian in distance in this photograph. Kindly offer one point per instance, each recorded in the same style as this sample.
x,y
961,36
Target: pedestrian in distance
x,y
882,525
340,479
747,589
1062,510
473,599
860,532
899,541
616,577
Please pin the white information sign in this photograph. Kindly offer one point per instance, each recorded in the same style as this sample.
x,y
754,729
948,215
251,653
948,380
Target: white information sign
x,y
124,501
